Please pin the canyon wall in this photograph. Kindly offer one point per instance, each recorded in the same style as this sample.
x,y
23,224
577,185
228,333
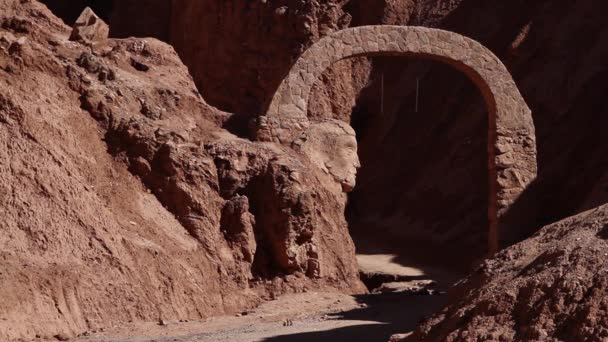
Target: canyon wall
x,y
126,191
431,189
238,52
123,199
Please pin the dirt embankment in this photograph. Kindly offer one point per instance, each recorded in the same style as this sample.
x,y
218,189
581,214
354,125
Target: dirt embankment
x,y
123,199
551,287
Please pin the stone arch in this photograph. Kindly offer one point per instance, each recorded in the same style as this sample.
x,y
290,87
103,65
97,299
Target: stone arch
x,y
511,135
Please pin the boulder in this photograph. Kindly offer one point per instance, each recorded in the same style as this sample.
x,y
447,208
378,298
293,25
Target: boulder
x,y
89,27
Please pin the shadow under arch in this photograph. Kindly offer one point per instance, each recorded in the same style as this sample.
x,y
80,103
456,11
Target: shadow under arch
x,y
511,134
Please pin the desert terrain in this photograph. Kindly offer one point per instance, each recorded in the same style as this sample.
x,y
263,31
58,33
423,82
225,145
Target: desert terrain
x,y
303,170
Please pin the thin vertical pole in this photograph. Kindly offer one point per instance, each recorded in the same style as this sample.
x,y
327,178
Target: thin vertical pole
x,y
417,92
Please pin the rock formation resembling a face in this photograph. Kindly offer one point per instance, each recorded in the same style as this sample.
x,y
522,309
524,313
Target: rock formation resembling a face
x,y
332,145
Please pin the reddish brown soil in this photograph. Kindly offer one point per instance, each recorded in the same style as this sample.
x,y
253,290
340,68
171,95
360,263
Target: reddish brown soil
x,y
131,198
551,287
123,199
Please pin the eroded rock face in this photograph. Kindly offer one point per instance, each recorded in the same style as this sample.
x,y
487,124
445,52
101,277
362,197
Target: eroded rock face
x,y
238,227
259,40
551,287
505,28
123,199
540,43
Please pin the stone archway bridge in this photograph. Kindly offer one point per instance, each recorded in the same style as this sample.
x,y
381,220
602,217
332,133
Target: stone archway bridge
x,y
512,143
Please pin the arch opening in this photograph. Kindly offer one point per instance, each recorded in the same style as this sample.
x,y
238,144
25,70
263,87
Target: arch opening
x,y
421,194
511,152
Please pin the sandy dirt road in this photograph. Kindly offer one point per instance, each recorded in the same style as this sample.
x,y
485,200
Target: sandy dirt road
x,y
301,317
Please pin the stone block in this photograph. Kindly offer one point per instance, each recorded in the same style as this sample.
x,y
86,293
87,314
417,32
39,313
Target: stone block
x,y
89,27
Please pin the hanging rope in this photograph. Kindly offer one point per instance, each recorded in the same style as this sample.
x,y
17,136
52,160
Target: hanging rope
x,y
417,92
382,92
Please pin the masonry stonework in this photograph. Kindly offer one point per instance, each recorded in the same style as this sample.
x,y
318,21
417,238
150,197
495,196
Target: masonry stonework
x,y
512,143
